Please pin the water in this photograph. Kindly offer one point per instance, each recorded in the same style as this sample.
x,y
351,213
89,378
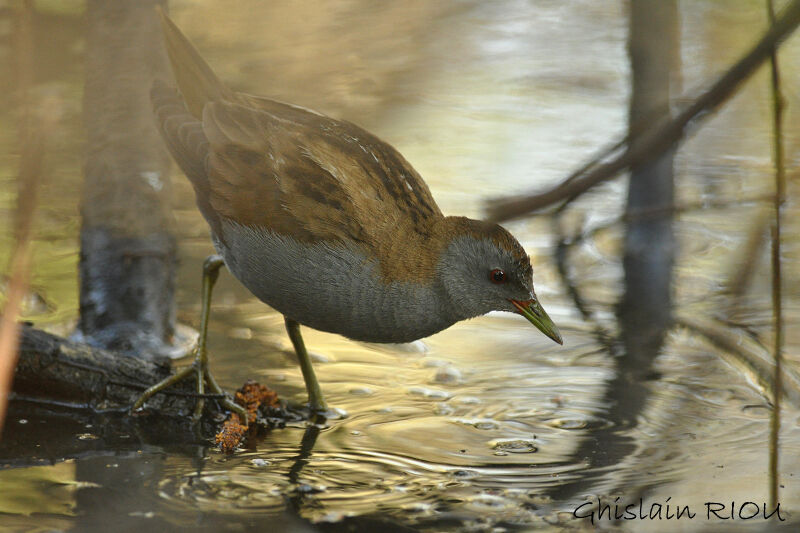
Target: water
x,y
476,427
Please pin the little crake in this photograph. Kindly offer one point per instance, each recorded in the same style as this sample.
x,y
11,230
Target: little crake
x,y
328,224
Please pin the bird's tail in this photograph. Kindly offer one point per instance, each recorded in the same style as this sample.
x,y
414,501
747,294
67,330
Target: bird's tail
x,y
197,82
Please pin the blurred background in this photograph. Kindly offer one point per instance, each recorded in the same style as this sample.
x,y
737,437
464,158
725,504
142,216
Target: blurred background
x,y
487,424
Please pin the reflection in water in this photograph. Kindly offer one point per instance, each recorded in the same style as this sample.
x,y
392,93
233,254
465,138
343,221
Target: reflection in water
x,y
485,423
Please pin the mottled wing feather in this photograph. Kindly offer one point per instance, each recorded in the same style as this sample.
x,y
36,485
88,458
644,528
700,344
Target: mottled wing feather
x,y
396,185
183,134
258,177
310,177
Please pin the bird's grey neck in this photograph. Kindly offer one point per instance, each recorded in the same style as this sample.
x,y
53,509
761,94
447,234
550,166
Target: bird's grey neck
x,y
334,288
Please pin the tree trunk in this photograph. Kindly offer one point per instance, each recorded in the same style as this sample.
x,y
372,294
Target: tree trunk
x,y
127,263
645,310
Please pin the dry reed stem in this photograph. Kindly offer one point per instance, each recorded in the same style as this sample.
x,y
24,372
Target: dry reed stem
x,y
777,308
33,131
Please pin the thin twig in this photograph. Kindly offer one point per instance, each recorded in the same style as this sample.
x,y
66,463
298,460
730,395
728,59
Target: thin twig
x,y
656,212
652,143
745,354
743,266
777,311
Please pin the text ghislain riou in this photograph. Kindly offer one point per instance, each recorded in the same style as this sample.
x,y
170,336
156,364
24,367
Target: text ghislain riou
x,y
639,510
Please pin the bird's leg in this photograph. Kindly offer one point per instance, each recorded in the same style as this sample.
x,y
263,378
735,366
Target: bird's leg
x,y
315,400
199,367
211,267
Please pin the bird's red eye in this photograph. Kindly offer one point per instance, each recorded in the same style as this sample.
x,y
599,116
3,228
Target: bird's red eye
x,y
497,276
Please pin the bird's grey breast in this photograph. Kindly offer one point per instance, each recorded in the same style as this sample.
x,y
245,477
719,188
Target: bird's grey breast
x,y
332,287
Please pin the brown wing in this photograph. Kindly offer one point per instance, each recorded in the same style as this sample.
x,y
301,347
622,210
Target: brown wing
x,y
308,176
266,164
183,134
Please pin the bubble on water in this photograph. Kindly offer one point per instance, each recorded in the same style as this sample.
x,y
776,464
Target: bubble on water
x,y
319,358
488,500
419,507
334,413
431,394
506,446
448,375
443,409
568,423
468,400
464,474
305,488
481,423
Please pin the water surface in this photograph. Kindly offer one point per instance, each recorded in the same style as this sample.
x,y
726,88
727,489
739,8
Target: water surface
x,y
476,427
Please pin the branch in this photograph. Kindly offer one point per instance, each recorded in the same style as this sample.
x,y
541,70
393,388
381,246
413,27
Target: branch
x,y
655,141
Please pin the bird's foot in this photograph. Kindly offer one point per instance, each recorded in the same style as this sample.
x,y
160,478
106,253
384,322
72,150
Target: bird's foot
x,y
305,411
202,378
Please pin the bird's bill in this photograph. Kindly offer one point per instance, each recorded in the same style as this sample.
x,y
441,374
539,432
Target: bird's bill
x,y
536,315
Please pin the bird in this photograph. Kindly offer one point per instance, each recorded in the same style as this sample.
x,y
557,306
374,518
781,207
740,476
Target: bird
x,y
326,223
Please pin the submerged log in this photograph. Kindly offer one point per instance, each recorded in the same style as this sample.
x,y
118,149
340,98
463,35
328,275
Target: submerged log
x,y
72,400
64,387
53,370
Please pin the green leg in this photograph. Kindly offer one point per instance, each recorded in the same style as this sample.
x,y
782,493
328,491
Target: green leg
x,y
203,377
315,400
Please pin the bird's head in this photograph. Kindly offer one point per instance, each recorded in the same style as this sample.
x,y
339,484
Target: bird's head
x,y
484,268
